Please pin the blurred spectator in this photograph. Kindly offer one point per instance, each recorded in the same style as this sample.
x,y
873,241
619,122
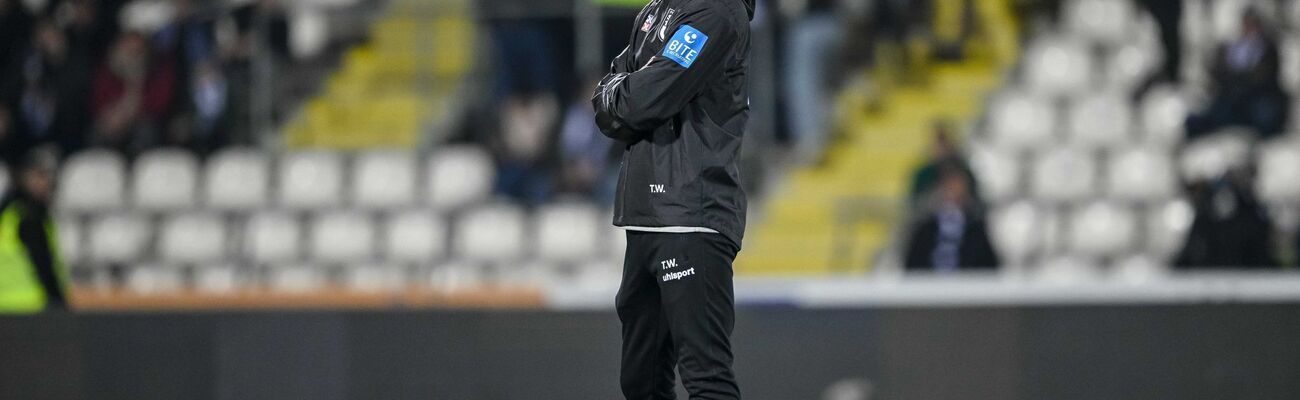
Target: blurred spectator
x,y
944,155
586,154
33,277
132,95
51,105
953,236
1231,228
203,121
1247,90
811,45
8,153
15,29
525,137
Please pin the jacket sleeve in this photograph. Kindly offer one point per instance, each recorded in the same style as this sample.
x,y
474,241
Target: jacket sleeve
x,y
630,104
31,231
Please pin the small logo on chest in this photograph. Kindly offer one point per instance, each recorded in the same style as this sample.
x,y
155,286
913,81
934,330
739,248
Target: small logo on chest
x,y
658,189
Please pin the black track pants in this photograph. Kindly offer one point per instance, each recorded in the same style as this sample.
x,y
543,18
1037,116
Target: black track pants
x,y
678,309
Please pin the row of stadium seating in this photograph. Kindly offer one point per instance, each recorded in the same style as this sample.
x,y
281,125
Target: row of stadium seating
x,y
1078,174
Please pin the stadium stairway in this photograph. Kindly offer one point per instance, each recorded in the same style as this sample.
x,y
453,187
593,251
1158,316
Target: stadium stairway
x,y
394,86
837,216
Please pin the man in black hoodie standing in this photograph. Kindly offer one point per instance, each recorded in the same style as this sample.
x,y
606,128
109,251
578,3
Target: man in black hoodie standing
x,y
677,100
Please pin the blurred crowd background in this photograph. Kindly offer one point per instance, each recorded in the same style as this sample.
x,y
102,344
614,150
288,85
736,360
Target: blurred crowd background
x,y
224,146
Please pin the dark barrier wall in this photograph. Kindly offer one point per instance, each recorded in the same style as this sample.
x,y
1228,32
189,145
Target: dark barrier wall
x,y
1116,352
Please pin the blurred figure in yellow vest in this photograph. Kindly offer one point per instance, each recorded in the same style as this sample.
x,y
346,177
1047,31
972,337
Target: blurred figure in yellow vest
x,y
32,278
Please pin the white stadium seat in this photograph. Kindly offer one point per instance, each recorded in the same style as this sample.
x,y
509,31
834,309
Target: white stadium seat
x,y
384,179
118,238
1102,230
1016,231
1212,156
459,176
1063,175
493,233
374,278
311,180
1020,121
165,180
1100,120
1164,116
1167,227
1139,269
1141,175
92,181
343,237
1068,270
567,232
1278,179
1128,65
71,240
456,276
296,278
414,237
1058,67
1290,48
154,279
1103,21
238,180
192,238
272,237
998,173
1226,17
218,278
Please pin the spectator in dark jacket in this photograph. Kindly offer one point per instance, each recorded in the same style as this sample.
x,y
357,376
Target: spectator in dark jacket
x,y
1247,89
953,235
1231,228
132,95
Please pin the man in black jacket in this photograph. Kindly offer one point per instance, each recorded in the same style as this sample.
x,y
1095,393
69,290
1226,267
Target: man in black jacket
x,y
677,99
32,278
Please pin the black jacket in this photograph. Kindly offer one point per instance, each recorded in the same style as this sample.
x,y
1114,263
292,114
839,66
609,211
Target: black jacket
x,y
976,251
678,99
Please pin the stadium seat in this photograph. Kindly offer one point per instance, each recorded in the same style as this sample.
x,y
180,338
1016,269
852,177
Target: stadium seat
x,y
119,238
1101,21
165,180
1226,17
1290,48
1016,231
1020,121
311,180
998,173
383,179
342,237
154,279
1068,270
218,278
493,233
567,232
192,238
1212,156
272,237
1139,269
1128,65
456,276
1101,230
296,278
1063,175
1100,120
416,237
529,275
1141,175
1058,67
459,176
1167,226
92,181
1278,179
71,240
1164,114
374,278
237,180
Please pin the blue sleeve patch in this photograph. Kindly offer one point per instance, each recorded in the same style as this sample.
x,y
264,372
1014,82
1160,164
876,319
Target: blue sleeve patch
x,y
685,46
